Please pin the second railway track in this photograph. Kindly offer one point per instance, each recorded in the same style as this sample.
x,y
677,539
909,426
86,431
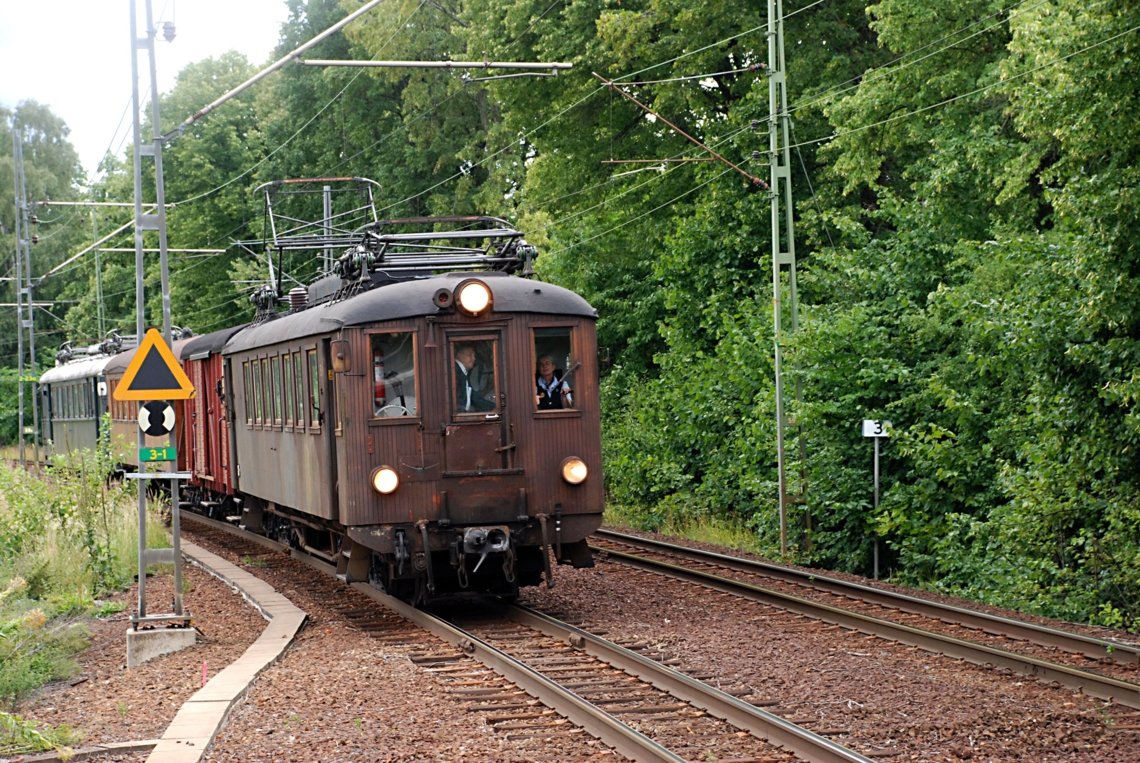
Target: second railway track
x,y
976,637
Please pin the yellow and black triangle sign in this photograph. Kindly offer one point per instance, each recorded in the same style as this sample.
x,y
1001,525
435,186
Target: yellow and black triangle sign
x,y
154,373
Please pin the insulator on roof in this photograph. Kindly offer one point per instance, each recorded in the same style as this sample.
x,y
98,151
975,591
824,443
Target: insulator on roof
x,y
298,298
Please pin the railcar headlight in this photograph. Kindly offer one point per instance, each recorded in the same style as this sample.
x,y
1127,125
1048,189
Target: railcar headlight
x,y
385,480
574,470
473,297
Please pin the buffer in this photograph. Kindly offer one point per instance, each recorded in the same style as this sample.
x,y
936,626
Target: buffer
x,y
154,373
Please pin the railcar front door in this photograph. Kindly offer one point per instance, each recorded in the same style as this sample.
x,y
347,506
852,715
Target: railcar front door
x,y
476,436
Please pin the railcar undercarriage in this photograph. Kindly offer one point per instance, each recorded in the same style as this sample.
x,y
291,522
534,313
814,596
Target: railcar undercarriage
x,y
497,559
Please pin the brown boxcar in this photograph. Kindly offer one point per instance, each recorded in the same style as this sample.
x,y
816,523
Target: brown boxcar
x,y
211,486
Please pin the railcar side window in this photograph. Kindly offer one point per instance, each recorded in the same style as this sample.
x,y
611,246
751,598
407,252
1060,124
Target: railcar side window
x,y
554,366
245,374
299,389
314,389
275,387
257,395
474,365
394,374
266,392
287,385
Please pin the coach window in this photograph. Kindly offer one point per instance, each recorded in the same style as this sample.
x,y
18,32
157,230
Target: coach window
x,y
245,375
265,391
474,365
393,374
554,366
298,392
278,413
314,390
257,394
287,389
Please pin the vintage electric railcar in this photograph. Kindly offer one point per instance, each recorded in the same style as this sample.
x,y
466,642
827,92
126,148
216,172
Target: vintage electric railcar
x,y
389,421
354,433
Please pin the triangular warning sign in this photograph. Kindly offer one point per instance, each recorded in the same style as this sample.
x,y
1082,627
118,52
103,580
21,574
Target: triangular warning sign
x,y
154,373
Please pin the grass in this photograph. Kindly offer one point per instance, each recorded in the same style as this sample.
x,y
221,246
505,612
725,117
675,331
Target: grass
x,y
701,529
67,538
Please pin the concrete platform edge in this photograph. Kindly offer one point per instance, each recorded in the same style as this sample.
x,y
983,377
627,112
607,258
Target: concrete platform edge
x,y
202,716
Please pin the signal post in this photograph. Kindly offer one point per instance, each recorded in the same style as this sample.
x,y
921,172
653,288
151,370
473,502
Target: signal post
x,y
154,377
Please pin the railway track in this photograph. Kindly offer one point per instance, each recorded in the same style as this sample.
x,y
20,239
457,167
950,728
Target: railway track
x,y
952,631
531,674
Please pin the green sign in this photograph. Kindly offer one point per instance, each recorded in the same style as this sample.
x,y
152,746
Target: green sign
x,y
158,454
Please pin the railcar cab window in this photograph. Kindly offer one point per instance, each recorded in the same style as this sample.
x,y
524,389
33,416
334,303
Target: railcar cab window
x,y
475,374
393,375
553,369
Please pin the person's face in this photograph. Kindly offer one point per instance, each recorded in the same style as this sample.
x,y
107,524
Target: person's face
x,y
466,356
546,368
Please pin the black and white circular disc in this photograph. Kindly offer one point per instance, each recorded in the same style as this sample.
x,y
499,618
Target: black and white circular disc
x,y
156,418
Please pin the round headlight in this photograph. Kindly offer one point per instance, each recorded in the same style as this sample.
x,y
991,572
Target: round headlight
x,y
473,297
574,470
385,480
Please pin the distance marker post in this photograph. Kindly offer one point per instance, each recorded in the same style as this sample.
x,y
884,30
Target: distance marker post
x,y
876,430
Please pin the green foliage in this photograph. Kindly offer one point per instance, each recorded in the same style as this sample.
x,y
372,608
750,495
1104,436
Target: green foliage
x,y
20,737
966,249
34,651
43,521
64,539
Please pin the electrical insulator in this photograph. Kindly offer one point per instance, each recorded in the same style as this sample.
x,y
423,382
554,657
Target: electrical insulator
x,y
35,239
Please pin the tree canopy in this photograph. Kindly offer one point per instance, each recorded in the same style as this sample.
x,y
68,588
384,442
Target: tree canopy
x,y
965,182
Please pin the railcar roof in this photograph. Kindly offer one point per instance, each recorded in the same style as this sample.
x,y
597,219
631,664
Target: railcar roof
x,y
210,343
118,364
409,299
76,369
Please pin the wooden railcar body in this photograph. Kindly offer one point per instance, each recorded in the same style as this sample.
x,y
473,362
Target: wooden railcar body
x,y
307,437
207,423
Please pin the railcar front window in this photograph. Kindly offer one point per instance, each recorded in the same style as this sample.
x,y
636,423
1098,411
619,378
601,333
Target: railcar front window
x,y
394,374
554,367
474,367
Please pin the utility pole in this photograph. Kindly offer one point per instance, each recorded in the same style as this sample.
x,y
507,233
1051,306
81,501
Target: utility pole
x,y
24,292
783,235
152,222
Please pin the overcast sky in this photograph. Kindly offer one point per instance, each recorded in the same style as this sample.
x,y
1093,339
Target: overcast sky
x,y
75,56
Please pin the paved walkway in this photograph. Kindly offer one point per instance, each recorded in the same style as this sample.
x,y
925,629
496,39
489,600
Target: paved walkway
x,y
202,716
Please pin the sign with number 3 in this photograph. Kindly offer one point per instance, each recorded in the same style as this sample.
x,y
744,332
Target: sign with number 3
x,y
873,428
